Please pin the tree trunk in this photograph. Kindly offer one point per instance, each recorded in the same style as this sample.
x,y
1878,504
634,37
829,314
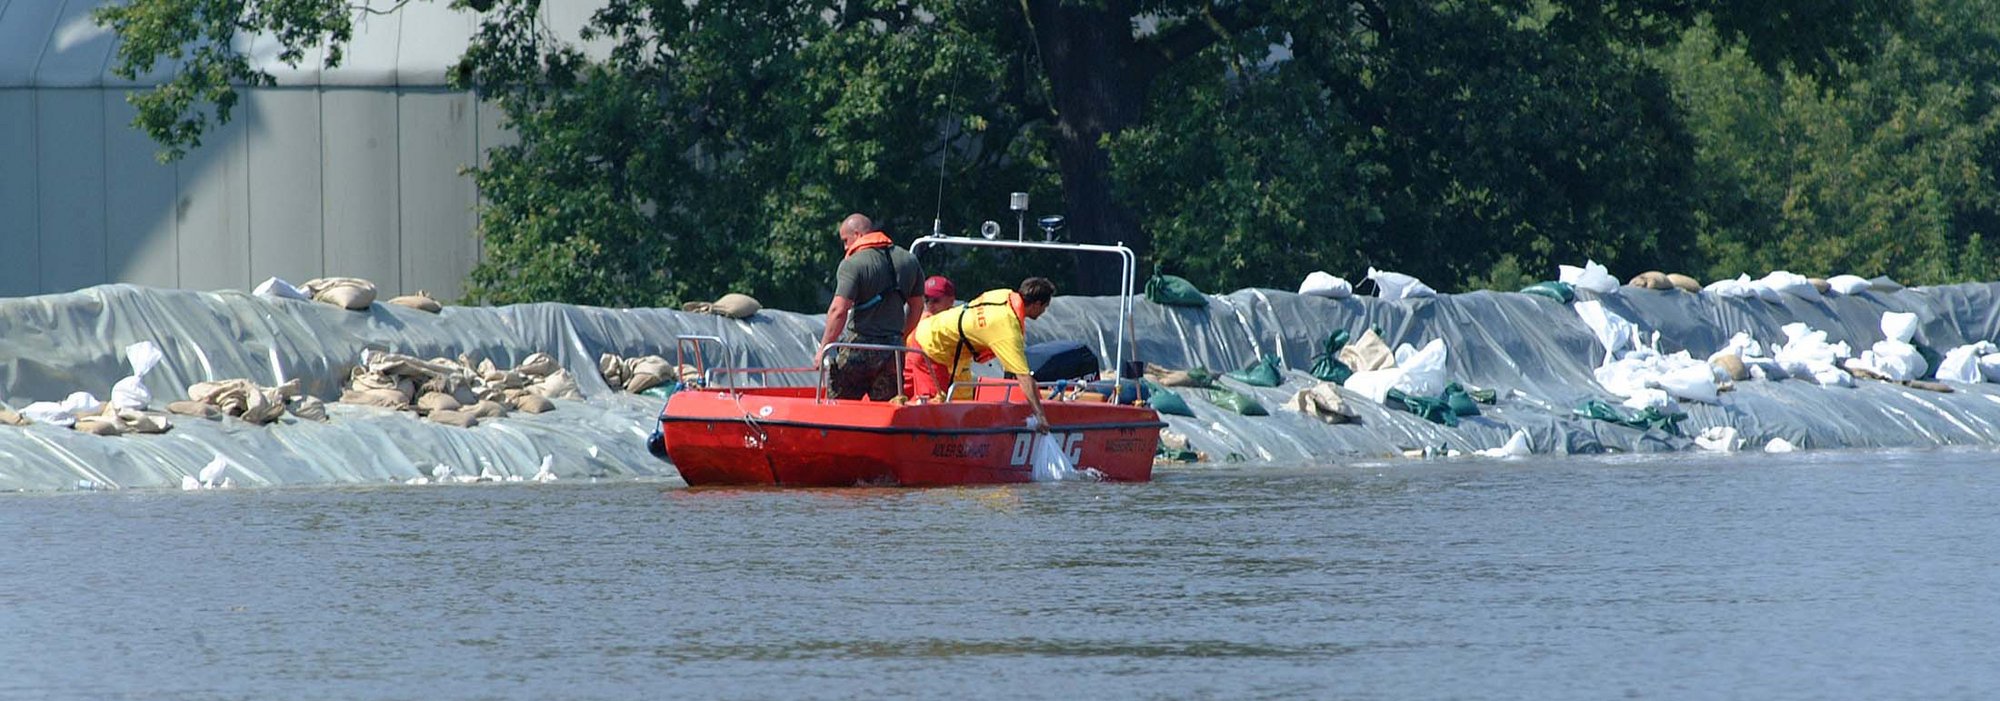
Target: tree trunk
x,y
1099,85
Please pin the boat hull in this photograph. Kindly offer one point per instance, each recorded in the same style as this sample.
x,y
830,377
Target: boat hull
x,y
785,437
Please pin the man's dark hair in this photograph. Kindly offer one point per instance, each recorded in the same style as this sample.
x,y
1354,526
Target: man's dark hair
x,y
1037,290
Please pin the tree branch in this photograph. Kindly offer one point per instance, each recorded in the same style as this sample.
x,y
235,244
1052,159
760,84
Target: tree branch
x,y
1190,37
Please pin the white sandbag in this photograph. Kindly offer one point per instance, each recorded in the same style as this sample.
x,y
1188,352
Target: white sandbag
x,y
1591,277
1515,447
1895,360
1961,364
1374,384
1989,365
1423,370
1322,284
1613,332
1787,282
1807,354
131,392
1718,439
1391,285
1650,398
1899,326
1051,464
277,288
1779,445
65,412
1848,284
1690,381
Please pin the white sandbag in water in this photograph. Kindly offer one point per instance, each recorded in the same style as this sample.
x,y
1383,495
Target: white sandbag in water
x,y
1322,284
1787,282
1423,370
1613,332
277,288
1591,277
1718,439
1389,285
1961,364
1515,447
1848,284
1051,464
131,392
1779,445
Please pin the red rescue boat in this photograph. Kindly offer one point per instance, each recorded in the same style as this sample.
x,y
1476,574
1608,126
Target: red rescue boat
x,y
797,436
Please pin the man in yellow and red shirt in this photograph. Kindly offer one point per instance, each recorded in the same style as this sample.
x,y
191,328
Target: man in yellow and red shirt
x,y
992,325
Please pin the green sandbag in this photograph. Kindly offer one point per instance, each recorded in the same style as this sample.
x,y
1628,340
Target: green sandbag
x,y
1460,401
1261,373
1163,452
1165,401
1483,395
1553,289
1327,366
1174,291
1432,409
665,391
1237,402
1646,420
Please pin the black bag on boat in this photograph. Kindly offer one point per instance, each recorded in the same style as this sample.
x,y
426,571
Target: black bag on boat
x,y
1061,360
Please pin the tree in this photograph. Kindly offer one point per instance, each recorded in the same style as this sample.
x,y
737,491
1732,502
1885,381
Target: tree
x,y
715,145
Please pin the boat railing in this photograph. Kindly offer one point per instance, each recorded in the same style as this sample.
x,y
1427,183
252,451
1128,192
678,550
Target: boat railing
x,y
828,353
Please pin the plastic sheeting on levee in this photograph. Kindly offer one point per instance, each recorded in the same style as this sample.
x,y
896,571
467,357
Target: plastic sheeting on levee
x,y
1537,353
52,345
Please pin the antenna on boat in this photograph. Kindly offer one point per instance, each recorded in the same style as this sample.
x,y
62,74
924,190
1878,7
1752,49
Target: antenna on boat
x,y
944,153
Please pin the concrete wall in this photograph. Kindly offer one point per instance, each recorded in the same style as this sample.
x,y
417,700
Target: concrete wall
x,y
305,182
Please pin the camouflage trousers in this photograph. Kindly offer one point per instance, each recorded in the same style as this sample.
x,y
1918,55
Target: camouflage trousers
x,y
857,373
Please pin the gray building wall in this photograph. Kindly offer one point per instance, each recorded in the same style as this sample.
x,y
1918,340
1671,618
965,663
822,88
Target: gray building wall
x,y
352,171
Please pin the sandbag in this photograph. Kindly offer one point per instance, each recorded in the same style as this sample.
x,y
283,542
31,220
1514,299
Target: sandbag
x,y
538,365
1591,276
1651,280
1432,409
385,398
1553,289
533,404
487,409
1321,401
1237,402
1684,283
421,301
1262,372
557,385
1393,285
432,402
308,408
1166,401
451,417
1369,352
1848,284
277,288
187,407
346,292
1173,291
131,392
1327,366
1423,369
1191,377
736,306
1322,284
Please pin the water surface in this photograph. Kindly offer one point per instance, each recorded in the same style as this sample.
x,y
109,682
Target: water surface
x,y
1814,575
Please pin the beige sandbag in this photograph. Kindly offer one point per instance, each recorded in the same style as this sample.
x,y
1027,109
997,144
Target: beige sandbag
x,y
13,418
308,408
1652,280
385,398
240,398
345,292
533,404
648,365
1821,285
641,382
558,385
144,421
736,306
433,402
1321,401
364,380
422,301
1684,283
538,365
98,426
1170,378
1731,364
697,307
189,407
613,369
450,417
1368,353
488,409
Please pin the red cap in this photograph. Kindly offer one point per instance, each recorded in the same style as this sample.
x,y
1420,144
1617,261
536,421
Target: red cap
x,y
938,286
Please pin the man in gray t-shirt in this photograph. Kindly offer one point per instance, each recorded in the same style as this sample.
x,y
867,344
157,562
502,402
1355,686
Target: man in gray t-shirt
x,y
872,294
